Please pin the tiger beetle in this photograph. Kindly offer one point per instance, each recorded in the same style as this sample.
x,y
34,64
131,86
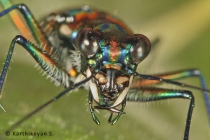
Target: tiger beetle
x,y
86,45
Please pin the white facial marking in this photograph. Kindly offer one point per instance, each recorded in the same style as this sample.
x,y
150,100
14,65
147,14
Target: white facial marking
x,y
121,80
93,87
123,94
65,30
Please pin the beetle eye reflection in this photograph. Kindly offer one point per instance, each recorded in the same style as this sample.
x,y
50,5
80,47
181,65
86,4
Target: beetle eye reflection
x,y
87,43
140,49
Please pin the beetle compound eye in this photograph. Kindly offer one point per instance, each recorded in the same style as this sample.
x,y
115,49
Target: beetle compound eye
x,y
141,47
87,42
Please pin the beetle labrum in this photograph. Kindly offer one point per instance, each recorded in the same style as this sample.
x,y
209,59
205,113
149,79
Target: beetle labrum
x,y
86,45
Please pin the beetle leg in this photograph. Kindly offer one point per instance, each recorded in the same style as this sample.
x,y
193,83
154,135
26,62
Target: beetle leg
x,y
43,59
152,94
37,32
90,101
113,121
147,81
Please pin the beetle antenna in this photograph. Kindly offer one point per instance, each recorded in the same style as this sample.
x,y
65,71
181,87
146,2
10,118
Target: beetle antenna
x,y
3,108
46,104
149,77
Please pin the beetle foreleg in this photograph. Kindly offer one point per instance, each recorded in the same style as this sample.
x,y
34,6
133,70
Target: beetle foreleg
x,y
113,121
43,59
90,101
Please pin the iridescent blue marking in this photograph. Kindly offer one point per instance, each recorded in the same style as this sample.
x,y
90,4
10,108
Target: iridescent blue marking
x,y
78,11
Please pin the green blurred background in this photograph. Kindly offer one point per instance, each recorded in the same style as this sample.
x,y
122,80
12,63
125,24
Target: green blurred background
x,y
184,30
